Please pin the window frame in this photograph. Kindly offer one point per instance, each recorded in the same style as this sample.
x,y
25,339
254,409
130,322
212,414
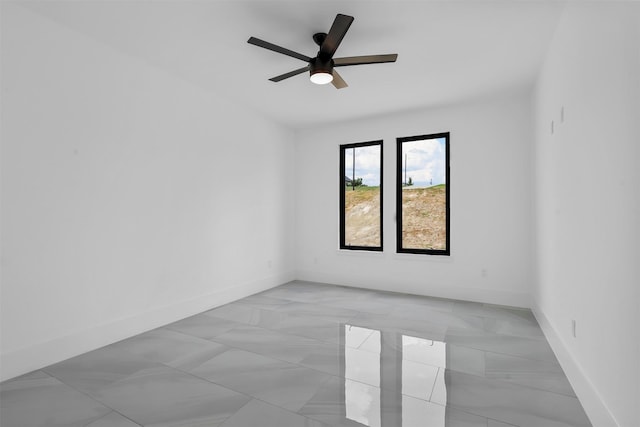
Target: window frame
x,y
399,171
343,148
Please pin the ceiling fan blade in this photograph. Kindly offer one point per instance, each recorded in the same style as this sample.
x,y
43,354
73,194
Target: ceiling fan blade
x,y
289,74
338,81
335,35
276,48
368,59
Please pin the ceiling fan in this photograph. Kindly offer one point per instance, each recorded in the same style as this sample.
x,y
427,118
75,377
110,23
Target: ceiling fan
x,y
322,66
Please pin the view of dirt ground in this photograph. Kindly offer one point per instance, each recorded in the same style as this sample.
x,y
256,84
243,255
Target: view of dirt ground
x,y
423,219
362,216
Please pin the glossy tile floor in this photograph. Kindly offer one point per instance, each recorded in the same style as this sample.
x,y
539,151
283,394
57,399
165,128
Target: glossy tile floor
x,y
312,355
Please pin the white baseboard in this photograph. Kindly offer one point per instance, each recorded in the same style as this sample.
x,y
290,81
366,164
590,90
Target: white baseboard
x,y
37,356
482,295
598,413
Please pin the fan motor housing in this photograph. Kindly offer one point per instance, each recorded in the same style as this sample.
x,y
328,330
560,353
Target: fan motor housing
x,y
317,65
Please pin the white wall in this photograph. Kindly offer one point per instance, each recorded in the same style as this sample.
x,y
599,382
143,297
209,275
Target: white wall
x,y
491,218
588,205
130,198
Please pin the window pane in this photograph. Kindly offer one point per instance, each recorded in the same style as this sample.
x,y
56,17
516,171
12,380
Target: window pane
x,y
361,196
423,194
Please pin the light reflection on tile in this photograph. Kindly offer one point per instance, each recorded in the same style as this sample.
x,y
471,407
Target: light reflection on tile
x,y
417,413
373,343
362,403
430,352
355,336
362,366
418,379
314,355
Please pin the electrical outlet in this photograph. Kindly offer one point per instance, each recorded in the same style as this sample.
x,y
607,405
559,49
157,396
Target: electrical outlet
x,y
483,272
573,328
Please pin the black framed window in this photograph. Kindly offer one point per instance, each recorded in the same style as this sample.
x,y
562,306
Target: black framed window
x,y
423,189
361,196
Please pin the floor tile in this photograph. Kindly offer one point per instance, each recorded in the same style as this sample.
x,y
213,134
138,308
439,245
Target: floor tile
x,y
163,396
314,293
321,310
496,312
516,327
172,348
203,326
514,404
401,325
263,301
465,359
328,359
281,383
494,423
241,313
257,413
346,403
365,304
533,373
456,418
278,345
307,354
503,344
398,300
317,328
97,369
423,313
43,401
113,419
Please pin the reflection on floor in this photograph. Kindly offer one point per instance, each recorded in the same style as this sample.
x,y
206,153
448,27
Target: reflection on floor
x,y
312,355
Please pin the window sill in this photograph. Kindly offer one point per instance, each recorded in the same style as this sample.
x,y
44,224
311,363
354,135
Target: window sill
x,y
443,259
360,253
405,257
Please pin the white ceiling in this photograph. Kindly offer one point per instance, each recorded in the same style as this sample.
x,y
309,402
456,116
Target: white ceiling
x,y
448,51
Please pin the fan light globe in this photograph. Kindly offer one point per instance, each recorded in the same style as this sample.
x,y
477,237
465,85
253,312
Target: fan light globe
x,y
321,78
